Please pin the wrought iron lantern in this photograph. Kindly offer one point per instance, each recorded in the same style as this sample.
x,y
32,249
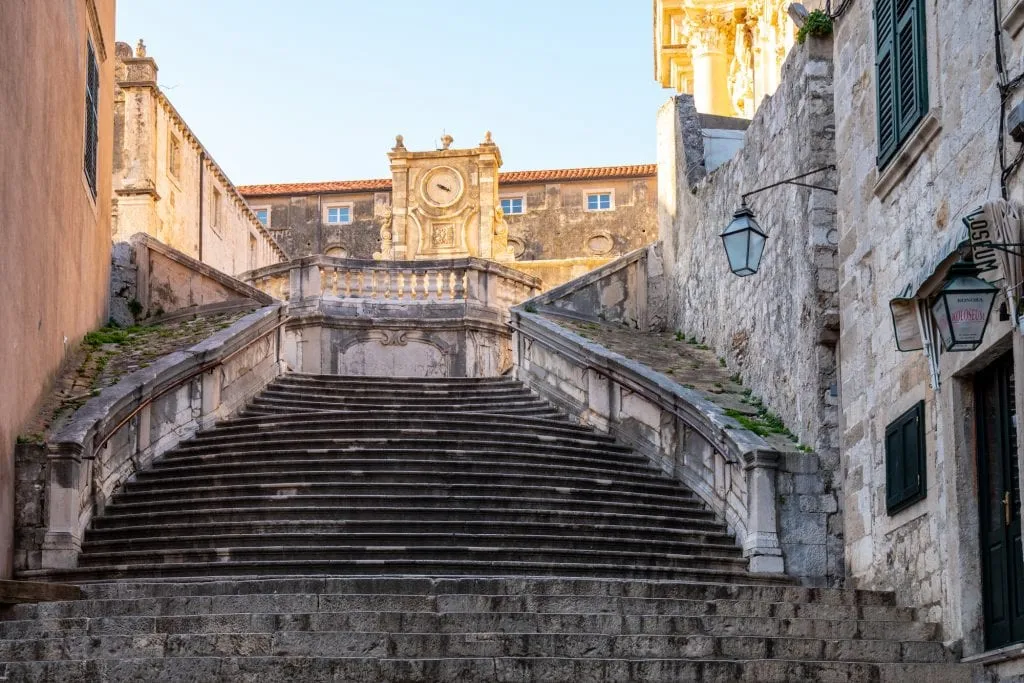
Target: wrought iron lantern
x,y
744,242
962,308
743,237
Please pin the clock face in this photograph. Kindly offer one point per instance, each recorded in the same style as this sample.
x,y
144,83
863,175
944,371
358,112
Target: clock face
x,y
442,186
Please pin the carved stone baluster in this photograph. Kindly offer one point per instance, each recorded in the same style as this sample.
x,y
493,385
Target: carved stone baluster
x,y
459,276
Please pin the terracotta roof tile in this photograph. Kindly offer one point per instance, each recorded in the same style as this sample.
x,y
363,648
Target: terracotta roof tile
x,y
511,177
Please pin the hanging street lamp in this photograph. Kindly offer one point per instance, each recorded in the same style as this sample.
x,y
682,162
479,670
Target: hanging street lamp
x,y
744,239
962,308
744,242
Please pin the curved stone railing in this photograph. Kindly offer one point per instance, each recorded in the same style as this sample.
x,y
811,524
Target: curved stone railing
x,y
732,469
473,280
144,415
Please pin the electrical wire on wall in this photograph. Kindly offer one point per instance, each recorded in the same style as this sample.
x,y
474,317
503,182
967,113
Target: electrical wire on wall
x,y
839,10
1007,86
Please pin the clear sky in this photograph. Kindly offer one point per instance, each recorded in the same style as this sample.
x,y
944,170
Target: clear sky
x,y
306,90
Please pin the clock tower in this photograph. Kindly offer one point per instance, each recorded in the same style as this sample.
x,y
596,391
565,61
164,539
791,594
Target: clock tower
x,y
445,204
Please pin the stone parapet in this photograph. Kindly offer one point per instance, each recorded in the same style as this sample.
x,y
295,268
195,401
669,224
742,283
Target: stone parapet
x,y
127,426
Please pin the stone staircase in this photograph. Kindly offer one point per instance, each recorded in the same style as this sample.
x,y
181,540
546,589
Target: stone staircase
x,y
374,529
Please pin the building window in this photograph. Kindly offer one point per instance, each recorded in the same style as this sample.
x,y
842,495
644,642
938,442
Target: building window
x,y
92,117
263,215
599,201
902,72
218,200
904,460
339,214
513,205
174,155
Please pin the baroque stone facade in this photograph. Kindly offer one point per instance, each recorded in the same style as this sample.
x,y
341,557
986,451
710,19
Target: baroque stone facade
x,y
554,235
728,55
168,186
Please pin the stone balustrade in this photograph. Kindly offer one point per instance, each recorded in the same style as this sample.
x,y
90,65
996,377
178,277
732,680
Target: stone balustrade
x,y
472,280
128,425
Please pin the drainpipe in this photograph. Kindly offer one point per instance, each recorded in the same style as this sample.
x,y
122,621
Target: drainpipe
x,y
202,167
319,224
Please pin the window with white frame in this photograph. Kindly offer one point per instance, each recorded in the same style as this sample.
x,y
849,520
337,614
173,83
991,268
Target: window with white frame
x,y
338,214
262,214
513,205
600,201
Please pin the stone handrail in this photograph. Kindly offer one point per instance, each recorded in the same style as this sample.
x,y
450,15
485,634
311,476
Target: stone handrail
x,y
127,426
470,280
732,469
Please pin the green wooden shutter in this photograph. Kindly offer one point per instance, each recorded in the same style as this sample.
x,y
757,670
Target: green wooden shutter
x,y
902,72
894,457
911,65
905,460
885,69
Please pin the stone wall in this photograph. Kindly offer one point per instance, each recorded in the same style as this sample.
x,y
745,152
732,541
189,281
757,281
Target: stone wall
x,y
893,222
149,279
778,328
55,261
555,226
168,186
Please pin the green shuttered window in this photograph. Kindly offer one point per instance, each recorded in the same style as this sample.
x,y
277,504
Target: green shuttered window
x,y
92,116
902,72
904,460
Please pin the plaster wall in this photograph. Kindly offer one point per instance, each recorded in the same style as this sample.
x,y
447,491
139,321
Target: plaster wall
x,y
777,328
892,222
55,263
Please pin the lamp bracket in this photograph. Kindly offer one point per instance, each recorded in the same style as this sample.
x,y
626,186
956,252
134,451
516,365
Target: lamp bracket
x,y
793,181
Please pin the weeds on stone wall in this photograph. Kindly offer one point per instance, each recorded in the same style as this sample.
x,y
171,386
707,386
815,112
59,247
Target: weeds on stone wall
x,y
817,25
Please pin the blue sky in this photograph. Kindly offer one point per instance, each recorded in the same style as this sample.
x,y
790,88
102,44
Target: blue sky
x,y
310,90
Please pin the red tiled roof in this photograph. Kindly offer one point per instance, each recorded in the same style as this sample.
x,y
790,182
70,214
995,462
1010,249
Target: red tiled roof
x,y
511,177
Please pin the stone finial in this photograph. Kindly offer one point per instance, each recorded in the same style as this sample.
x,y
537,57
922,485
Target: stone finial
x,y
488,140
140,49
446,141
123,50
399,142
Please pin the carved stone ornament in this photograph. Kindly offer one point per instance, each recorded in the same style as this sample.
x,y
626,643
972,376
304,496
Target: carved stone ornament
x,y
399,142
443,235
446,141
387,247
140,49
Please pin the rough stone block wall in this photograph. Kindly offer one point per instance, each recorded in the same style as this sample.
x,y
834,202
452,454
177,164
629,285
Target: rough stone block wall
x,y
778,328
893,221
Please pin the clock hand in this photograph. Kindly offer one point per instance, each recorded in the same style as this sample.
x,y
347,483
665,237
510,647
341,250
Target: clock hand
x,y
446,189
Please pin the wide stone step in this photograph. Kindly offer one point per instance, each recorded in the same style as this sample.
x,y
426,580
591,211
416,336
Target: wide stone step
x,y
259,669
387,462
471,622
384,644
418,526
569,494
585,567
264,411
439,396
445,510
353,541
502,406
419,419
372,506
400,383
447,478
355,444
470,550
375,594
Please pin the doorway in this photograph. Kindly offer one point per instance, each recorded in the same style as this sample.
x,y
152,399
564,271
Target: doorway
x,y
1002,557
